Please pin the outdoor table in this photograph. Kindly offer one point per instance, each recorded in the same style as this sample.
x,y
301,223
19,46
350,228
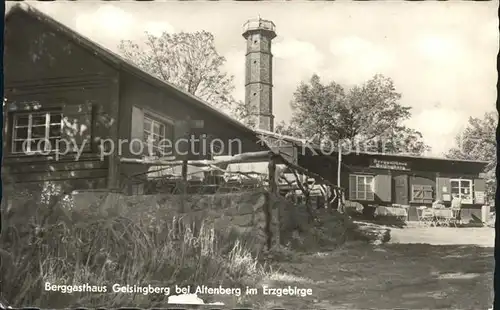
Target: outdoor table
x,y
399,212
438,217
442,213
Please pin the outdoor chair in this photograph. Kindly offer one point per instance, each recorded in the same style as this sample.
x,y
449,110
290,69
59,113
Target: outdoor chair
x,y
442,217
425,216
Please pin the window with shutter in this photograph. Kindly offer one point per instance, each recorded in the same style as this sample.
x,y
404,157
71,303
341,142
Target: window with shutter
x,y
158,135
463,189
151,134
361,187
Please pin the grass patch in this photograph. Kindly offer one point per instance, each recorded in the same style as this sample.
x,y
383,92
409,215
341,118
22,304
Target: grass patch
x,y
105,244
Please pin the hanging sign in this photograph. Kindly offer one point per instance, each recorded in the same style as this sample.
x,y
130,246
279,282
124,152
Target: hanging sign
x,y
389,164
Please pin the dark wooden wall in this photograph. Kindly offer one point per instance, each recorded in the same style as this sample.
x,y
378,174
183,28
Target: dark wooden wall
x,y
44,69
393,186
136,92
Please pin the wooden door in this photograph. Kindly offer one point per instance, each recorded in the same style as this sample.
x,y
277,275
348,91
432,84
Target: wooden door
x,y
401,189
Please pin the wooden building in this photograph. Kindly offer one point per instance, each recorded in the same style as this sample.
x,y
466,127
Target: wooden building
x,y
373,179
59,84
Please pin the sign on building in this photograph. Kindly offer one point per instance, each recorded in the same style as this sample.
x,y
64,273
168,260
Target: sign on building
x,y
389,164
479,197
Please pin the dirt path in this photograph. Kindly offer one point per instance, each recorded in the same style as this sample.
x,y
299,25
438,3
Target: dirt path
x,y
484,237
413,276
421,268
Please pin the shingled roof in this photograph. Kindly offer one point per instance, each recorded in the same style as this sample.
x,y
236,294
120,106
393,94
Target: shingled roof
x,y
120,63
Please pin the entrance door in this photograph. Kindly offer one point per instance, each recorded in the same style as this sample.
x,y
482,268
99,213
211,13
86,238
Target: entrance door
x,y
401,189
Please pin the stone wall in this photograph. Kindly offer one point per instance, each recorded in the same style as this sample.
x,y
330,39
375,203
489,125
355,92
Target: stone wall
x,y
244,212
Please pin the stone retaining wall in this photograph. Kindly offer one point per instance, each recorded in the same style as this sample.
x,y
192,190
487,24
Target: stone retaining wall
x,y
244,211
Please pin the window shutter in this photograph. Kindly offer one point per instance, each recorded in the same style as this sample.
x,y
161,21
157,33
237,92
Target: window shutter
x,y
479,191
443,191
383,186
137,131
428,193
205,150
418,193
352,187
479,185
77,126
181,148
198,148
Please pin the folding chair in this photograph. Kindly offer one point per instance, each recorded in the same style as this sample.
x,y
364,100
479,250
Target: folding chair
x,y
443,218
447,217
425,216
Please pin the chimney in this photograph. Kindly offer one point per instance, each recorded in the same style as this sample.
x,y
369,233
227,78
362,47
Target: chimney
x,y
258,71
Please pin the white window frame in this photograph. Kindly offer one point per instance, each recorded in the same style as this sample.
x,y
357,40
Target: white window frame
x,y
470,187
367,195
47,125
162,121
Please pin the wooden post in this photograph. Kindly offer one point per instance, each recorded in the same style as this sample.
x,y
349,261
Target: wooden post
x,y
339,168
113,181
184,170
183,130
184,186
273,188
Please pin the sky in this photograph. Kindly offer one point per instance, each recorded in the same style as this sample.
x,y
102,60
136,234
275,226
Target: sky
x,y
440,55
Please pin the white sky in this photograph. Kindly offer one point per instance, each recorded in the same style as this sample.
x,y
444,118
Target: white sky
x,y
441,55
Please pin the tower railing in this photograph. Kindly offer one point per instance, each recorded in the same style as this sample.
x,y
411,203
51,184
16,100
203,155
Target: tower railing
x,y
259,24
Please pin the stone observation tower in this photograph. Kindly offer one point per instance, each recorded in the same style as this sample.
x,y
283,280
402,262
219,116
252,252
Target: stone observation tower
x,y
258,70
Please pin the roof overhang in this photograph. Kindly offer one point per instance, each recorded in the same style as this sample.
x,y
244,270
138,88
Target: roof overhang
x,y
304,143
120,63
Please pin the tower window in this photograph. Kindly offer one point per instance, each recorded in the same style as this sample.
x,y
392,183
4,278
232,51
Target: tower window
x,y
255,61
254,41
255,94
